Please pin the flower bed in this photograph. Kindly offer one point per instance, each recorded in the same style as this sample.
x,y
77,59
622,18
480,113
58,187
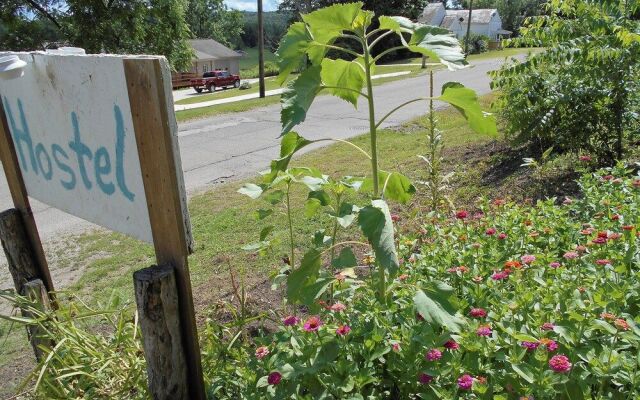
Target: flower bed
x,y
507,301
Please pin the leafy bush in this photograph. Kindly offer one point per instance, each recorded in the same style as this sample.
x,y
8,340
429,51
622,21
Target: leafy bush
x,y
270,69
477,43
505,302
97,353
582,92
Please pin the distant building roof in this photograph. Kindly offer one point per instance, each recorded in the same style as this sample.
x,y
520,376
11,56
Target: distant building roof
x,y
478,16
429,13
209,49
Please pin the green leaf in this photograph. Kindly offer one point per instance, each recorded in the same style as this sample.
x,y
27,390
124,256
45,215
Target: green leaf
x,y
465,100
435,310
375,222
262,214
289,144
396,186
320,239
274,197
431,41
346,75
298,97
265,232
524,371
346,214
311,207
292,49
252,190
312,291
305,275
327,353
346,259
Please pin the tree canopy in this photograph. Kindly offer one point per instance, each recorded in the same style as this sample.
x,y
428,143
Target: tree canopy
x,y
214,20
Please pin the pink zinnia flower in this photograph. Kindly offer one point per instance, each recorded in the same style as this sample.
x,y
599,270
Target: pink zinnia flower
x,y
343,330
465,382
274,378
337,307
433,355
554,265
478,313
604,261
621,324
262,352
567,201
499,202
395,347
570,255
451,345
403,277
483,330
607,177
599,240
636,183
547,326
559,363
498,276
425,379
615,236
584,158
290,320
529,345
502,236
312,324
490,231
528,259
462,214
395,217
615,217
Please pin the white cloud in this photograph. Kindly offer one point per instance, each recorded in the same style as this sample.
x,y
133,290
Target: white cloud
x,y
252,5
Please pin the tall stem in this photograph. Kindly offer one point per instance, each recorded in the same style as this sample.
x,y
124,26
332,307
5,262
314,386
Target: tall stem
x,y
293,245
372,122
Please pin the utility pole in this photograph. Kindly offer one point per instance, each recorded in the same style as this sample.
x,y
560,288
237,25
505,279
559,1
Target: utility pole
x,y
261,48
466,42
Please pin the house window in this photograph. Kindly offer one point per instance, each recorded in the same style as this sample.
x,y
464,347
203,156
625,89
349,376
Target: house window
x,y
205,68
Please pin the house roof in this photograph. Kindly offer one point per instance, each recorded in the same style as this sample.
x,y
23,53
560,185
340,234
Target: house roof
x,y
429,13
208,49
448,21
478,16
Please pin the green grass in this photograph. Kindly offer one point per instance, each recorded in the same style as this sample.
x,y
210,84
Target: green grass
x,y
270,84
250,59
223,221
235,107
498,54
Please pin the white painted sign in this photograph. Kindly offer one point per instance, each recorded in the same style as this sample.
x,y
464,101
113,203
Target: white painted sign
x,y
71,124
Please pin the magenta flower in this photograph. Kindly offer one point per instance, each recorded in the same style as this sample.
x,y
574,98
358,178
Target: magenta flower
x,y
502,236
530,345
570,255
559,363
585,158
433,355
465,382
425,379
395,347
478,313
343,330
337,307
290,320
555,265
599,240
603,261
312,324
547,326
550,344
500,275
527,259
490,231
274,378
483,330
462,214
451,345
567,201
262,352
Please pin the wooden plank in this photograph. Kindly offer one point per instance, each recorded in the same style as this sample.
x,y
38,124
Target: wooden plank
x,y
23,266
149,110
36,292
157,301
20,198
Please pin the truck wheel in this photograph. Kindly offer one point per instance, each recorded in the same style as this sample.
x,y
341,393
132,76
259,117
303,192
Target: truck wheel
x,y
236,84
198,90
211,88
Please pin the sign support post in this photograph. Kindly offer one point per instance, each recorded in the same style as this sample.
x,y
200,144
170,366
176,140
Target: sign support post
x,y
146,90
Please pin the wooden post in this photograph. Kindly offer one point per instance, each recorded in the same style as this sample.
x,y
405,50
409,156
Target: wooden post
x,y
157,300
23,266
151,121
21,203
37,293
261,49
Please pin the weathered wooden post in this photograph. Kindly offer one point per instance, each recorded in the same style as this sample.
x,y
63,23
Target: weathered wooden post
x,y
158,311
36,292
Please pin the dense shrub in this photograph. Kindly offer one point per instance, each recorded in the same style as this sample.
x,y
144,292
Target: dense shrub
x,y
582,92
270,69
477,43
507,301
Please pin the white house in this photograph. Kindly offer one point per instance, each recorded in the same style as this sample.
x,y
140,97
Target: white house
x,y
483,21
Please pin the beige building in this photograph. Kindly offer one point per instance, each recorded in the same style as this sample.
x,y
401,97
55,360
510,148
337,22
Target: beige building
x,y
211,55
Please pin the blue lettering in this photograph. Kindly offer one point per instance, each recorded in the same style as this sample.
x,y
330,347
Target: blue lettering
x,y
57,150
120,154
103,167
48,174
20,136
81,150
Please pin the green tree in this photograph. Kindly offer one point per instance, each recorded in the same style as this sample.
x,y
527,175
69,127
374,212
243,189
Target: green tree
x,y
405,8
512,12
212,19
23,27
582,92
113,26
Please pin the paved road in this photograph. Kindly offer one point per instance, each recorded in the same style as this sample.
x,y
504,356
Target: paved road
x,y
234,146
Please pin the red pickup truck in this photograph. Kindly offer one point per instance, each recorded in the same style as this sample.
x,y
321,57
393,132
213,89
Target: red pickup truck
x,y
215,79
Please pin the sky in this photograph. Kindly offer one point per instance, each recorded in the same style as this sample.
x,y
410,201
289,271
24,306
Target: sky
x,y
251,5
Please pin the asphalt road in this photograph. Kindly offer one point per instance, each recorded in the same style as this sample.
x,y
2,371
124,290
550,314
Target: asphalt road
x,y
233,146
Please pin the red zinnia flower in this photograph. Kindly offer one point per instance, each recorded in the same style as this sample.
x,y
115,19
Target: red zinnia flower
x,y
290,320
274,378
490,231
462,214
547,326
607,316
604,261
502,236
425,379
343,330
451,345
478,313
